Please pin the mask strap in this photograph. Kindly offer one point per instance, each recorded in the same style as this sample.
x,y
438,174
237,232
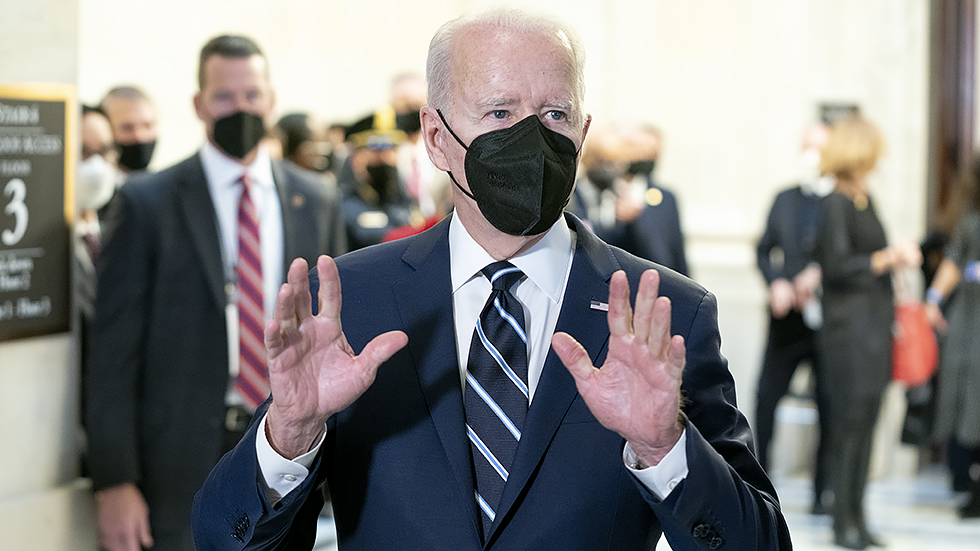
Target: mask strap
x,y
441,116
451,177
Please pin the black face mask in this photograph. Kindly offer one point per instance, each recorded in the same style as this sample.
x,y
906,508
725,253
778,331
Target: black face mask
x,y
383,179
520,177
641,167
602,179
239,133
136,156
410,122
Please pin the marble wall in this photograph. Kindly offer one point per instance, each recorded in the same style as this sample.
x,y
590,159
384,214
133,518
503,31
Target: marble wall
x,y
43,503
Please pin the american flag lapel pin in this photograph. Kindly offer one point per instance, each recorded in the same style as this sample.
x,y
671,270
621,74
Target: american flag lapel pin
x,y
596,305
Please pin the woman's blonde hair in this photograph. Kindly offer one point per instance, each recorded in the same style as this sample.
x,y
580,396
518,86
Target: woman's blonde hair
x,y
852,150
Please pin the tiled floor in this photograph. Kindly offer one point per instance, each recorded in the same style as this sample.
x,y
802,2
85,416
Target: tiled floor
x,y
909,515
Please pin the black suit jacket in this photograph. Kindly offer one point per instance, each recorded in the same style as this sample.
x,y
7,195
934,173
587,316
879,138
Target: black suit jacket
x,y
155,391
791,228
398,461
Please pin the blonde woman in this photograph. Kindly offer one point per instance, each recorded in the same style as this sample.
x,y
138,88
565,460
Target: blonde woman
x,y
855,340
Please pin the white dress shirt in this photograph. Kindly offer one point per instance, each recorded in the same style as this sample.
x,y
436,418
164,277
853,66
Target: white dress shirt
x,y
222,174
541,294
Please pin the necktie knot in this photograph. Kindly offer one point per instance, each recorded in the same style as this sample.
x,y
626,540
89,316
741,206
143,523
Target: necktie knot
x,y
246,181
502,275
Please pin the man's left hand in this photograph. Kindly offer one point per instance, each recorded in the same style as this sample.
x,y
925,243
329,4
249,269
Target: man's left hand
x,y
637,391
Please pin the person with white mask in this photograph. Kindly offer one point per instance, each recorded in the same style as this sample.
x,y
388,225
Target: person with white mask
x,y
785,258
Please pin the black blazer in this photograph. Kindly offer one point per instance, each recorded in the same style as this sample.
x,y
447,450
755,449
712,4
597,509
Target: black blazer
x,y
398,461
155,391
791,228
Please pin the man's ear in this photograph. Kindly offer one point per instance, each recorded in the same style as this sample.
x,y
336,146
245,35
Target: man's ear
x,y
435,134
588,123
199,105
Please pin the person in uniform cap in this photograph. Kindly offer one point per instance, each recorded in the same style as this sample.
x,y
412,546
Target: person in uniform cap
x,y
374,201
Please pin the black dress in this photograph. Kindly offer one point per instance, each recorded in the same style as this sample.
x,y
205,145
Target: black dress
x,y
858,307
855,346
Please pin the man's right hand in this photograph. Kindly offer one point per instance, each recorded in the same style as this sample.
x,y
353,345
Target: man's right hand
x,y
124,518
313,371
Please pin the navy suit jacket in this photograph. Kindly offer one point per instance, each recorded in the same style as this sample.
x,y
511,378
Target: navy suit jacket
x,y
155,389
397,461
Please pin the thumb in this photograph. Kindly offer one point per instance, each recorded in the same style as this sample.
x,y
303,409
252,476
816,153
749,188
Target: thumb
x,y
383,347
146,539
573,355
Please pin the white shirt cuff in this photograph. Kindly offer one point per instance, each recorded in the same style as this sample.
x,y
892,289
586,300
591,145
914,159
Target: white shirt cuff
x,y
661,479
281,475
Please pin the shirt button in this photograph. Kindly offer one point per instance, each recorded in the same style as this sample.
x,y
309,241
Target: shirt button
x,y
289,477
672,484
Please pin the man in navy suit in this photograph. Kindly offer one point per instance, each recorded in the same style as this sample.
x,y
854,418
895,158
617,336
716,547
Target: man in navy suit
x,y
369,397
159,406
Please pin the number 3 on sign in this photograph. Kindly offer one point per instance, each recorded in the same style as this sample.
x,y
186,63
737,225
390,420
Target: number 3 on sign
x,y
17,191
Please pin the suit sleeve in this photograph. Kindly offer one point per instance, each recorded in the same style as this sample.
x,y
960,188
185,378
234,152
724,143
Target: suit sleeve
x,y
726,497
231,511
116,348
767,242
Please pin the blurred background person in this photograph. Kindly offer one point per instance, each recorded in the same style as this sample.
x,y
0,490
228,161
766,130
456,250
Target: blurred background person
x,y
422,181
303,139
784,255
188,277
651,210
95,182
616,196
594,199
957,413
855,340
134,126
337,137
374,200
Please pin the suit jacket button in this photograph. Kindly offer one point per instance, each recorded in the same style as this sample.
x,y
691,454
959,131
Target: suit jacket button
x,y
715,542
701,531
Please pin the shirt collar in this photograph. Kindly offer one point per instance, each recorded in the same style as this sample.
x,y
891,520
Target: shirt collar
x,y
221,170
539,263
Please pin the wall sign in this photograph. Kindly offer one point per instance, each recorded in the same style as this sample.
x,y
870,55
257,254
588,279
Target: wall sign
x,y
37,158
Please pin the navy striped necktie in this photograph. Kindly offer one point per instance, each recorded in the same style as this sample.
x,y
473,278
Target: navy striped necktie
x,y
496,394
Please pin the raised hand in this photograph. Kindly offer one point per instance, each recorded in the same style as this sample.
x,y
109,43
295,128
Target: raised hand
x,y
313,371
637,391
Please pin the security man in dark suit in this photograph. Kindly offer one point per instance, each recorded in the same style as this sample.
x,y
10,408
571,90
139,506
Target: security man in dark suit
x,y
188,273
784,255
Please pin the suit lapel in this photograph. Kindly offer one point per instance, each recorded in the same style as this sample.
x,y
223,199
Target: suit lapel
x,y
432,345
592,267
197,209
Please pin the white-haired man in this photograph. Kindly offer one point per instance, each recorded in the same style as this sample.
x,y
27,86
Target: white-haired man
x,y
441,422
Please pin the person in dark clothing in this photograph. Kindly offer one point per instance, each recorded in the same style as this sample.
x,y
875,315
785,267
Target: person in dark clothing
x,y
784,255
858,311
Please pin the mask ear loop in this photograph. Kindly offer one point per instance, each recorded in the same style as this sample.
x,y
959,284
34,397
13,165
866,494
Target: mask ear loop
x,y
451,177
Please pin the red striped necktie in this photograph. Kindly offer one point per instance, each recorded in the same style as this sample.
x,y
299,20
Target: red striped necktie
x,y
252,382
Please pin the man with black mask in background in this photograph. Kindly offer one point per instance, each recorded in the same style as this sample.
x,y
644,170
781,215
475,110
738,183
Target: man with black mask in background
x,y
133,117
374,200
191,267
